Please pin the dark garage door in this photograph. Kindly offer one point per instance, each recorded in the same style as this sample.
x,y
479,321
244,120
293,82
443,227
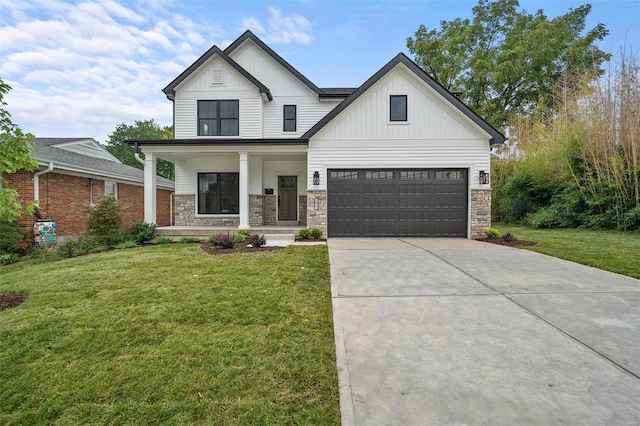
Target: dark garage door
x,y
399,202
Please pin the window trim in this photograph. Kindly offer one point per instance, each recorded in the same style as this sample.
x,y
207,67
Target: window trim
x,y
197,207
218,119
115,189
406,109
285,119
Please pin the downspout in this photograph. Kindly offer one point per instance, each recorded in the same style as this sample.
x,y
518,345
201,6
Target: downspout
x,y
171,198
36,182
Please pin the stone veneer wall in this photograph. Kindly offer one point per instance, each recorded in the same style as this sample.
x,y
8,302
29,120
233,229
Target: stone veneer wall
x,y
302,214
269,210
256,208
317,218
480,211
185,206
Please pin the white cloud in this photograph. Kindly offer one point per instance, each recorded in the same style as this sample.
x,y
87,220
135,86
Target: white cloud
x,y
281,29
81,68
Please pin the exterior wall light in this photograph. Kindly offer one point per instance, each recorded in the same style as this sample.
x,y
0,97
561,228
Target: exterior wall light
x,y
316,204
483,178
316,178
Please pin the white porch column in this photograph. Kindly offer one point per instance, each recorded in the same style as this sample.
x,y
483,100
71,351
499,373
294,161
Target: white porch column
x,y
150,188
244,191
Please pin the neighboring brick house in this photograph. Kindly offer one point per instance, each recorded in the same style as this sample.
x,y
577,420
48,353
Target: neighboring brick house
x,y
75,173
257,143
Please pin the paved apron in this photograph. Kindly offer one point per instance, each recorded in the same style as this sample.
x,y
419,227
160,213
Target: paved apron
x,y
451,331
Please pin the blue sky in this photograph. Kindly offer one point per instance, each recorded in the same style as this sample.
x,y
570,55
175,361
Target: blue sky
x,y
80,68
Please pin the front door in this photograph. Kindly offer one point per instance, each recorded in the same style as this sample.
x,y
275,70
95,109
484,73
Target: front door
x,y
287,197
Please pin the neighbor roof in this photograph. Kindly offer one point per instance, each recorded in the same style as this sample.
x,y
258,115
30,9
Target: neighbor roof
x,y
47,150
496,136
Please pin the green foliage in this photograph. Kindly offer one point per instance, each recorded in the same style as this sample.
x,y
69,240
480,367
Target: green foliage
x,y
189,240
315,233
521,195
491,233
257,240
142,232
224,240
304,233
240,237
12,237
632,219
16,154
244,231
506,61
211,238
8,258
126,245
105,222
73,247
147,129
163,239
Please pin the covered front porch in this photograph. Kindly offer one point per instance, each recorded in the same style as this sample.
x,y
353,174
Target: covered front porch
x,y
224,185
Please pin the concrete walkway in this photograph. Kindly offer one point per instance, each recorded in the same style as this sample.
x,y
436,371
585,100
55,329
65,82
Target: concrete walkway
x,y
448,331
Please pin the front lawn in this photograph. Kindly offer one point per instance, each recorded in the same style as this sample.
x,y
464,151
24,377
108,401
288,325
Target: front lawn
x,y
614,251
170,335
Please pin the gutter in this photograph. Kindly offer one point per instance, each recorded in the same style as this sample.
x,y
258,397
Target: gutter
x,y
36,182
136,154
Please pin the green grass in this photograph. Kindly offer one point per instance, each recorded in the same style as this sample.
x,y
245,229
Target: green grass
x,y
609,250
170,335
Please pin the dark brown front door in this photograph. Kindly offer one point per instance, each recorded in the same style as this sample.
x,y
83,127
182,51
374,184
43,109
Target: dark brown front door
x,y
287,197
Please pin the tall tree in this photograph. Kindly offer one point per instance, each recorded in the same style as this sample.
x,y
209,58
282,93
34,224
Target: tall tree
x,y
147,129
506,61
15,154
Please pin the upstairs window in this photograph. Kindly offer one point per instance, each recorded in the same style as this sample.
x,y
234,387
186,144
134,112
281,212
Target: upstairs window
x,y
219,118
398,108
289,118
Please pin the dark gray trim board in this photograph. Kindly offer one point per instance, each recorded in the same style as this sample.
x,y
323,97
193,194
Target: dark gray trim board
x,y
216,142
401,58
215,50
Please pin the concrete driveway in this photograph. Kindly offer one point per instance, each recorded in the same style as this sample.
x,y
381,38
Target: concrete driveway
x,y
449,331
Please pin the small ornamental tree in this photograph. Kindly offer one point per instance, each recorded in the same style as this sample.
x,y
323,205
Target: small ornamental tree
x,y
15,154
105,222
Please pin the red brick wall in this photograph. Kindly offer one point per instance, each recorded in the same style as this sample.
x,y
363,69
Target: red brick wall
x,y
65,199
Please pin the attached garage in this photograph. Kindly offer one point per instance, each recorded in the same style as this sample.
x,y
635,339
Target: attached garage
x,y
397,202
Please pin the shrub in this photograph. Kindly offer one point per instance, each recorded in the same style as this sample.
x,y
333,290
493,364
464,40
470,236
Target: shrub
x,y
492,233
189,240
305,233
508,236
73,247
105,222
8,258
632,219
142,232
162,239
240,237
224,240
256,240
12,236
41,255
211,238
244,231
316,233
126,245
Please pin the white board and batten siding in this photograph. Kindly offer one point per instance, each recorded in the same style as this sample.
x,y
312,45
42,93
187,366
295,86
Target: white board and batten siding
x,y
435,135
216,80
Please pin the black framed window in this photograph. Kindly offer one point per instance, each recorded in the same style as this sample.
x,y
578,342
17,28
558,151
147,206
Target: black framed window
x,y
398,108
289,114
219,118
218,193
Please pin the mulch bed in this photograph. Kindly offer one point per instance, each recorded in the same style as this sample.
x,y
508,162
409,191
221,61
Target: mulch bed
x,y
11,300
502,242
237,248
308,240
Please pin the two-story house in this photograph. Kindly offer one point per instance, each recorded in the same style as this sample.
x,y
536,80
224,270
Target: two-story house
x,y
257,143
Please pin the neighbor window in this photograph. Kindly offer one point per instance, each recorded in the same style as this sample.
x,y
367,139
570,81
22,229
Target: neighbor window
x,y
111,188
289,118
398,108
218,118
218,193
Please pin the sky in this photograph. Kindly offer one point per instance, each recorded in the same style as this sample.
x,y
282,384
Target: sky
x,y
80,68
